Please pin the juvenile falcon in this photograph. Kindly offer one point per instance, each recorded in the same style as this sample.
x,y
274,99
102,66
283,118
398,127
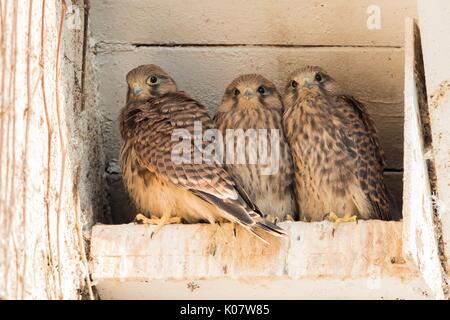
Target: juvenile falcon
x,y
166,190
338,158
252,103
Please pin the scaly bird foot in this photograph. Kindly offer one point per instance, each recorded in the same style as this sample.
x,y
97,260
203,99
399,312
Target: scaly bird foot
x,y
289,218
156,221
272,219
275,219
337,221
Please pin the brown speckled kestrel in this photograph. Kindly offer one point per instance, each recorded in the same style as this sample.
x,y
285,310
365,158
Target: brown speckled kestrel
x,y
164,188
251,103
338,157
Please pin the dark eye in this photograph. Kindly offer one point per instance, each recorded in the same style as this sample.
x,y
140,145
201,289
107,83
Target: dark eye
x,y
261,90
294,84
318,77
236,92
153,79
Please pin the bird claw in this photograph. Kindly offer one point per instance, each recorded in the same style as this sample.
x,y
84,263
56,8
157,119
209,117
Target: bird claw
x,y
140,218
289,218
337,220
272,219
159,222
275,219
154,220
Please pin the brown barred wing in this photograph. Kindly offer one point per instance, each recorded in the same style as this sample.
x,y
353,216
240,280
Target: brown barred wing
x,y
364,148
154,124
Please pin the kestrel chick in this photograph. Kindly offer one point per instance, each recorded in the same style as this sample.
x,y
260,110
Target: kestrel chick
x,y
252,106
338,157
165,189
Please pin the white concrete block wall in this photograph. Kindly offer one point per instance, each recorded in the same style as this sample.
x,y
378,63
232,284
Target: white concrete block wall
x,y
265,22
374,75
205,44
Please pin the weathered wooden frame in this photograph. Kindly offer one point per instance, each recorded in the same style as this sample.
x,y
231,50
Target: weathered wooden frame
x,y
371,259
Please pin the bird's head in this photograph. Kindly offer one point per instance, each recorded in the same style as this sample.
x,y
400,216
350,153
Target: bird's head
x,y
148,81
251,91
310,78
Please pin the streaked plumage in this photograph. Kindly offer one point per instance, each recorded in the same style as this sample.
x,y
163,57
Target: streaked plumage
x,y
339,160
163,188
253,102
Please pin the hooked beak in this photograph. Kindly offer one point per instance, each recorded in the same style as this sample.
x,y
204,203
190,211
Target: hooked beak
x,y
308,83
137,90
248,93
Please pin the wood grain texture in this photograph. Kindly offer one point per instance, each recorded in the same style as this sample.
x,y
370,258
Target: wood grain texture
x,y
435,28
311,256
284,22
419,236
51,161
308,252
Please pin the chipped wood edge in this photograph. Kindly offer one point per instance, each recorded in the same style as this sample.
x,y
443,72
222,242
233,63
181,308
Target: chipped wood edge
x,y
419,234
436,47
355,259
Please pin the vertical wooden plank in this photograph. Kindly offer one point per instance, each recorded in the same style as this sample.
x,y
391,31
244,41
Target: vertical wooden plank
x,y
435,29
419,241
47,171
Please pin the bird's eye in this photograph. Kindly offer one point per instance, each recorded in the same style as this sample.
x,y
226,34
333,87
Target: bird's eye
x,y
152,80
261,90
236,92
318,77
294,84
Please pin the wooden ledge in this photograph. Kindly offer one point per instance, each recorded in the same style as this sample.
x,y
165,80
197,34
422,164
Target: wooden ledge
x,y
356,259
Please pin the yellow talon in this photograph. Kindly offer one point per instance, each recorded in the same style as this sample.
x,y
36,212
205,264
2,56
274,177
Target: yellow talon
x,y
272,219
154,220
176,220
143,219
346,218
289,218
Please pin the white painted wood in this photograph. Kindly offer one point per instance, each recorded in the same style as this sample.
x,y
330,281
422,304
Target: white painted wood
x,y
357,261
420,244
283,22
373,75
435,30
50,162
385,288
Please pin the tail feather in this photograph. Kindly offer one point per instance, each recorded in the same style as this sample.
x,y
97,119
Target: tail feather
x,y
271,228
395,213
240,212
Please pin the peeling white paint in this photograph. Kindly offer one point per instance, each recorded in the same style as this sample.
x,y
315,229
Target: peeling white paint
x,y
359,261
